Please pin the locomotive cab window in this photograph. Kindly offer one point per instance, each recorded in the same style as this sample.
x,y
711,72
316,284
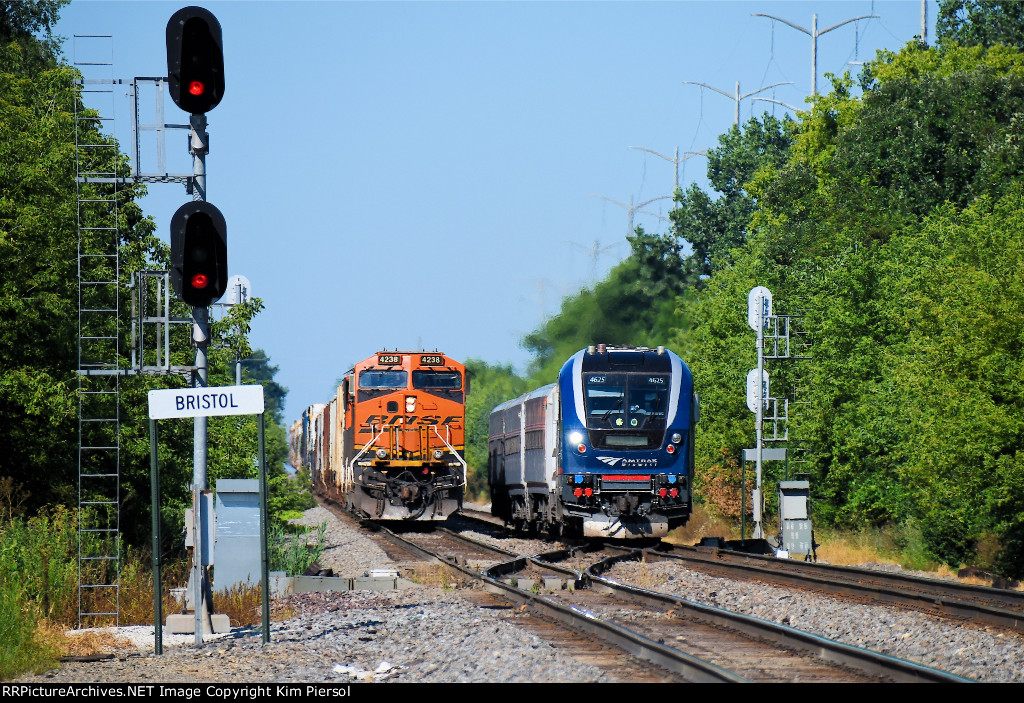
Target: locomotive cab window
x,y
626,410
437,380
372,378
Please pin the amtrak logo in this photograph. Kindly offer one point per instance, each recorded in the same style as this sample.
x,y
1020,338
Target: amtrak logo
x,y
627,461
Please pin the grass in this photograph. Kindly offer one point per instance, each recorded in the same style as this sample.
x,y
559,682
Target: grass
x,y
701,524
901,546
39,588
438,576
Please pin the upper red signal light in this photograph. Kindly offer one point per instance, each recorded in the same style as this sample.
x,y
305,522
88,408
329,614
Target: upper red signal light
x,y
195,60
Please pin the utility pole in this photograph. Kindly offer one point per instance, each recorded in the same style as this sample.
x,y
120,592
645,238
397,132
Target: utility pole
x,y
736,96
794,108
631,208
593,252
676,160
814,34
924,21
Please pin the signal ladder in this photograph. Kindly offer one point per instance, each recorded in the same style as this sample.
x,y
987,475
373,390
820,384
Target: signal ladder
x,y
99,178
99,354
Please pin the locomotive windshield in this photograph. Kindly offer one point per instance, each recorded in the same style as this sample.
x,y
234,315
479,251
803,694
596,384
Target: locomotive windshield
x,y
443,380
626,410
371,378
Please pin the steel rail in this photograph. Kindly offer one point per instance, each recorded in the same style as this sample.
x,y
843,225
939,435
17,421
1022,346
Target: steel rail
x,y
634,643
946,597
866,660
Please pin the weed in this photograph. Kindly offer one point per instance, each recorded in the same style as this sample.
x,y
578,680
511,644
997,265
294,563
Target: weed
x,y
702,523
293,553
438,576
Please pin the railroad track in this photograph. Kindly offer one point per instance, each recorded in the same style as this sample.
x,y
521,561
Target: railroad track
x,y
625,655
757,649
978,604
676,638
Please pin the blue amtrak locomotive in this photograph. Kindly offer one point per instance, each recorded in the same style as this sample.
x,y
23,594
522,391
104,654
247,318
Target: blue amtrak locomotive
x,y
607,451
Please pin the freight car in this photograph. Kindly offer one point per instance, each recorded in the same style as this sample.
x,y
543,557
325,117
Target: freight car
x,y
607,451
390,445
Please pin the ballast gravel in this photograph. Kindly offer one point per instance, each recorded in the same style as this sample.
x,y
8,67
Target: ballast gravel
x,y
427,634
983,654
422,635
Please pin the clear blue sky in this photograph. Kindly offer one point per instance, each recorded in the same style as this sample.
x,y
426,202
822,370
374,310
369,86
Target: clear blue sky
x,y
420,174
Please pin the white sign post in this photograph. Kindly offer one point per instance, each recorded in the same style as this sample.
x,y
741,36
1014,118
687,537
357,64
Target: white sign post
x,y
171,403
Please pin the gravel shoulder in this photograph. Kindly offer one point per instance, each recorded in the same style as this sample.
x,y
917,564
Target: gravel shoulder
x,y
423,634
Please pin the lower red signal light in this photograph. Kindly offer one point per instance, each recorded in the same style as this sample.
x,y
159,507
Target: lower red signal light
x,y
196,88
200,280
674,493
578,492
588,492
662,492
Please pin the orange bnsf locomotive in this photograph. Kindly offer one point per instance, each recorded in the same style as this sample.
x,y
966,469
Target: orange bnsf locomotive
x,y
391,444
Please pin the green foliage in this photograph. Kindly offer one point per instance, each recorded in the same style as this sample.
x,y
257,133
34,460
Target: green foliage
x,y
21,647
40,554
713,228
293,552
983,22
38,306
491,386
23,22
896,223
38,580
630,306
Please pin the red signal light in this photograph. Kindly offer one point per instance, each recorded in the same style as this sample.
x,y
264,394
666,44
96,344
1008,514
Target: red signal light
x,y
200,280
662,492
196,88
578,492
588,492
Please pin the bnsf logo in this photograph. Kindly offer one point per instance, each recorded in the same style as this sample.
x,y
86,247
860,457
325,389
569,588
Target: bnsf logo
x,y
408,420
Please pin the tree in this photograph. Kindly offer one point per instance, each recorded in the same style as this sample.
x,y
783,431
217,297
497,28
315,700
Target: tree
x,y
980,22
714,227
491,385
39,294
22,21
891,220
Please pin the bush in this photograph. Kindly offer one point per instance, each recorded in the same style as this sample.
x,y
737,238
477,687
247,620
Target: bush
x,y
38,579
22,648
293,553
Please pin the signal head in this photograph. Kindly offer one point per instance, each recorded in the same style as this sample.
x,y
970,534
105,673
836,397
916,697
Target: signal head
x,y
199,253
195,60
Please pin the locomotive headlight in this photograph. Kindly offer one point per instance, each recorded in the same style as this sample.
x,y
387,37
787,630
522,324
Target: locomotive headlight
x,y
410,403
438,453
575,437
676,438
382,453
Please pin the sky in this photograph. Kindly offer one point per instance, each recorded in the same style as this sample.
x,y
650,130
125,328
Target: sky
x,y
439,175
